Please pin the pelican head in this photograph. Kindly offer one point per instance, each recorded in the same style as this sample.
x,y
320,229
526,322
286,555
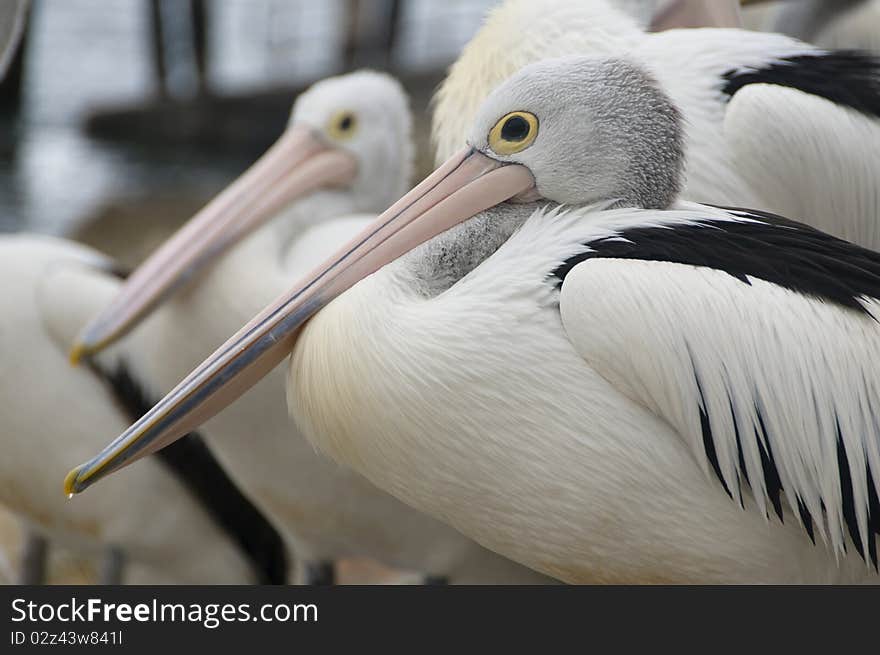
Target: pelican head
x,y
575,131
517,33
348,134
588,129
365,115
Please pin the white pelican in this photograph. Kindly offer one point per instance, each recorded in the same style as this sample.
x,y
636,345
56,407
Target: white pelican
x,y
185,542
353,134
609,387
766,116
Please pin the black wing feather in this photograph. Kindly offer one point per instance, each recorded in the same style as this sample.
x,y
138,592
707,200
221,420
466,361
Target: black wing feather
x,y
190,460
846,77
767,247
780,251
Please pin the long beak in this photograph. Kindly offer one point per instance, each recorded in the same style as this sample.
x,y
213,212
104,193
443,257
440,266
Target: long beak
x,y
467,184
297,164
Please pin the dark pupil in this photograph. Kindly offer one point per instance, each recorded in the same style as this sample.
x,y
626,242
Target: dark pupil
x,y
515,128
345,123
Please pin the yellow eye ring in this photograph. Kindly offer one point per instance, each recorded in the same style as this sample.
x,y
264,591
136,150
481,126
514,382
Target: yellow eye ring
x,y
513,133
342,125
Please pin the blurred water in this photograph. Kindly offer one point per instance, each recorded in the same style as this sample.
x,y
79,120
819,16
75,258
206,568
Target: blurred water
x,y
85,54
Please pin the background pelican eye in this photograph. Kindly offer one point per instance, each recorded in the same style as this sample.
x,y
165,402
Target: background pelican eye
x,y
342,125
514,132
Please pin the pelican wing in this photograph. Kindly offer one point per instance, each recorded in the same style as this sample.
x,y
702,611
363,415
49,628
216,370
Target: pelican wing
x,y
808,157
757,339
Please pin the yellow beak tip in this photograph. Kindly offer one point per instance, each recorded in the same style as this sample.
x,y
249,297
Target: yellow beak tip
x,y
70,482
77,353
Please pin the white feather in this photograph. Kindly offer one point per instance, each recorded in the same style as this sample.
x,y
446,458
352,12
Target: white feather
x,y
501,429
778,139
53,415
803,363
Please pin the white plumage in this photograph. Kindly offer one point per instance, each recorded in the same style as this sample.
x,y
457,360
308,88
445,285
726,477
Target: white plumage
x,y
769,388
51,414
839,189
505,432
577,432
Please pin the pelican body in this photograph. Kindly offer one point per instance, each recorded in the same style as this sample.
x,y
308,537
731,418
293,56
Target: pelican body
x,y
347,151
183,543
587,375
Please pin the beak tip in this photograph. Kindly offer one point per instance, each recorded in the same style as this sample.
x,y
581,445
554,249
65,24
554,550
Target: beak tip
x,y
84,348
77,352
72,483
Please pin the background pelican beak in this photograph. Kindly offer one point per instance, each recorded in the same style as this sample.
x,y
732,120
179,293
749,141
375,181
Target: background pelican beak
x,y
467,184
295,165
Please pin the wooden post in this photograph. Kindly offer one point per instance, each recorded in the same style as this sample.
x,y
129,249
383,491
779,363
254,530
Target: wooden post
x,y
157,47
12,79
200,43
33,560
352,35
391,31
112,566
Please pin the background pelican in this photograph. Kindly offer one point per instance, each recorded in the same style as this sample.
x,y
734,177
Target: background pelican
x,y
766,116
360,124
184,543
621,389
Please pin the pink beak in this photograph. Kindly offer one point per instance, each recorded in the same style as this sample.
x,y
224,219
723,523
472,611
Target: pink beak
x,y
297,164
470,182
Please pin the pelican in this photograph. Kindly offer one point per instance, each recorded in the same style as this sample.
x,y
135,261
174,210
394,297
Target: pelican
x,y
772,123
541,345
347,150
185,543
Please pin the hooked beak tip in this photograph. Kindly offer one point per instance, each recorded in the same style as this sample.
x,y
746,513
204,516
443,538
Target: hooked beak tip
x,y
77,352
88,343
72,484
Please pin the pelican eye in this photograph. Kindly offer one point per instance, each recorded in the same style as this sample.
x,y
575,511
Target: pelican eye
x,y
342,125
514,132
515,128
